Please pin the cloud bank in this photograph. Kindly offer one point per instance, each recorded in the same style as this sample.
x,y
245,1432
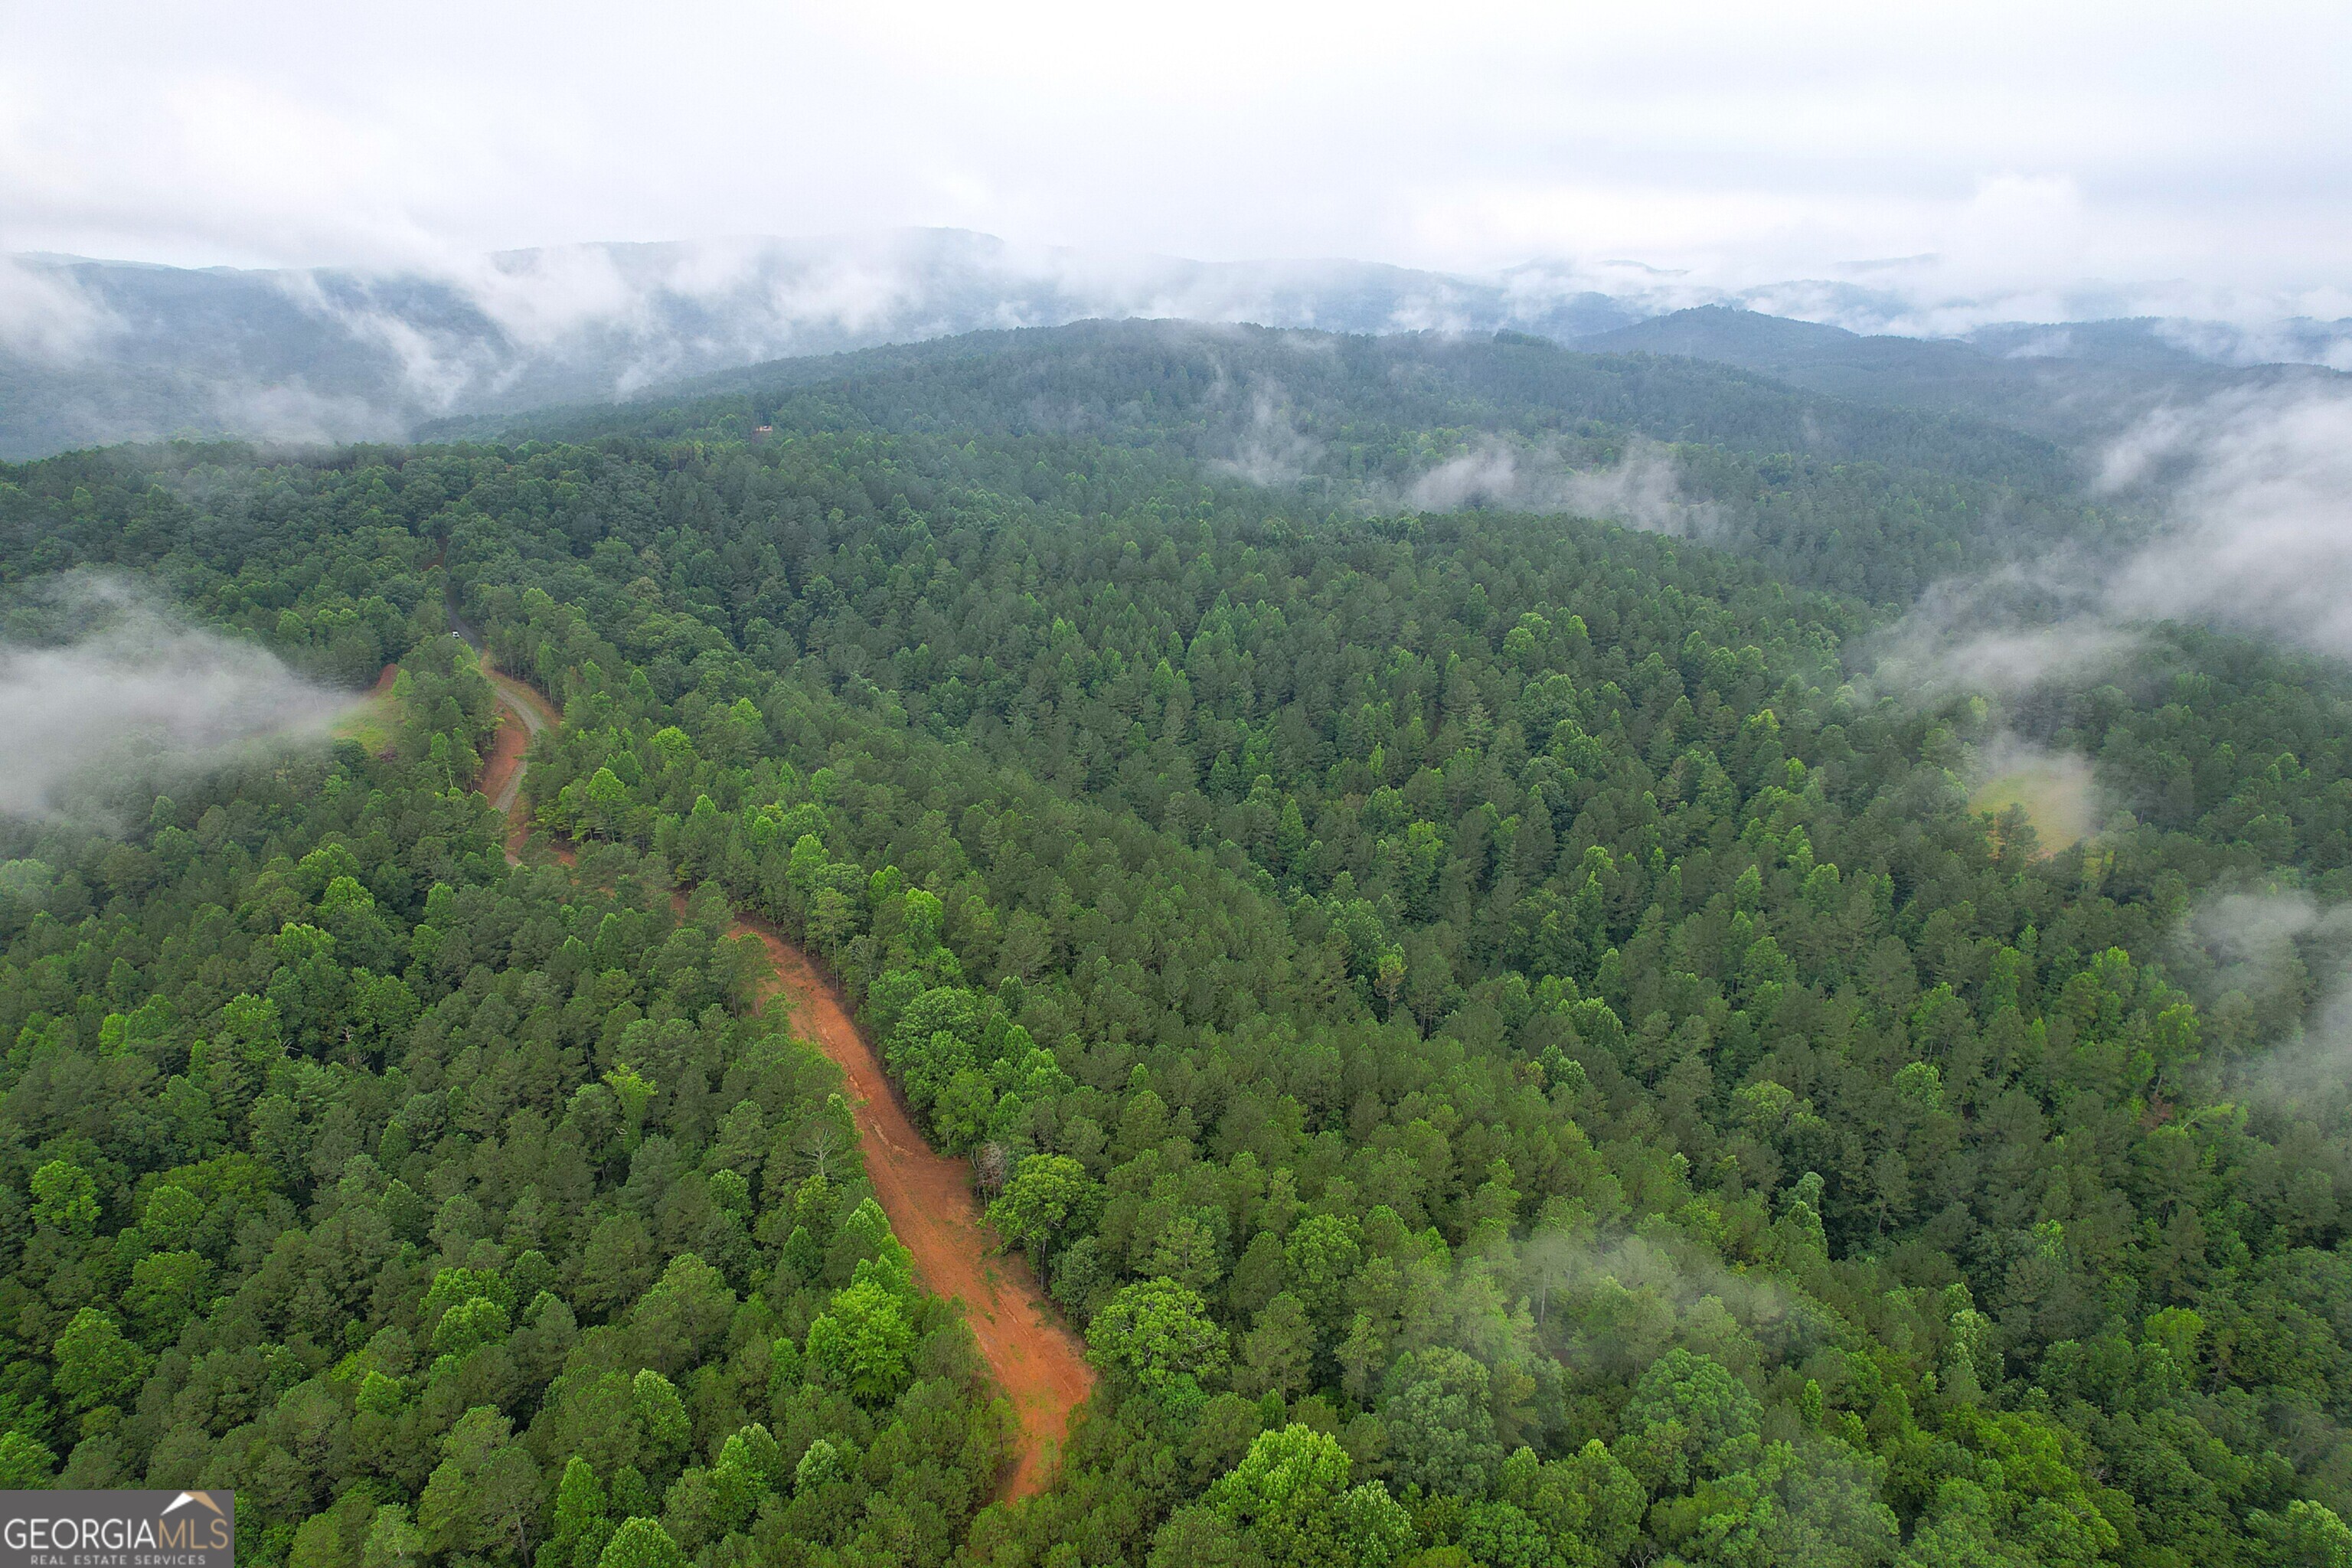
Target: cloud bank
x,y
1642,488
2253,496
137,695
2272,969
1912,150
2261,500
2056,788
100,352
1271,450
1885,169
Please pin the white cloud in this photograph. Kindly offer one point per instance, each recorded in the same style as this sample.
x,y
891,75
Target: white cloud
x,y
2281,960
2263,540
2252,495
137,694
1642,488
1273,450
43,316
2032,152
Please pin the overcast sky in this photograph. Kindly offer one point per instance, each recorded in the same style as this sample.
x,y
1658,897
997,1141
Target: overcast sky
x,y
2031,147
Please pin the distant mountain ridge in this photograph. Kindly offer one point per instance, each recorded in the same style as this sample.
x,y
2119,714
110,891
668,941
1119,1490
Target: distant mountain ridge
x,y
1821,491
2071,383
139,351
1207,392
95,352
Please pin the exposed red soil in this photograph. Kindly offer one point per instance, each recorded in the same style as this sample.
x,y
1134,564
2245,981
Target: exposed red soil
x,y
524,713
1040,1363
502,778
1036,1359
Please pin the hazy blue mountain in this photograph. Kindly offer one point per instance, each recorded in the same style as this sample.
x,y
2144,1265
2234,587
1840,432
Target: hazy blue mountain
x,y
2173,340
98,351
144,351
2072,382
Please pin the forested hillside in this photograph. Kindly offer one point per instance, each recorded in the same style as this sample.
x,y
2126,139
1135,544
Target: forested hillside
x,y
351,352
1507,1057
1874,501
2077,383
445,1211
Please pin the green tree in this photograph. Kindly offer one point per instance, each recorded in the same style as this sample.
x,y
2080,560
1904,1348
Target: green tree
x,y
96,1365
661,1415
2305,1532
1199,1537
1045,1192
1279,1352
1290,1492
1159,1333
392,1541
1688,1418
579,1501
65,1199
641,1543
863,1342
25,1464
1440,1427
166,1288
484,1495
171,1216
1820,1505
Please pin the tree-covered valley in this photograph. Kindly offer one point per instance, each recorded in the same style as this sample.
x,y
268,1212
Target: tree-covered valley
x,y
1509,1054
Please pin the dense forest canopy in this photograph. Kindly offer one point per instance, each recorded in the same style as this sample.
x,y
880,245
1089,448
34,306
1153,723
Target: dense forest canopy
x,y
1509,1058
1867,500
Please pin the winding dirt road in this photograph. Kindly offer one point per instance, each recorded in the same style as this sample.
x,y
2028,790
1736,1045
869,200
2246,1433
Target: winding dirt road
x,y
527,714
1036,1359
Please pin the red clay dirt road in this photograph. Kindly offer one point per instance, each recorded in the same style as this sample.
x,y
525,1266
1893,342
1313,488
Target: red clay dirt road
x,y
527,713
1035,1359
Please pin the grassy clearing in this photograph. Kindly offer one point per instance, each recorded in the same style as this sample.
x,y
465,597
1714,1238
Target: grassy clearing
x,y
2057,795
374,720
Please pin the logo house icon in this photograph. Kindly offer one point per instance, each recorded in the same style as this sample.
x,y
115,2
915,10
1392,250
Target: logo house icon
x,y
183,1523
